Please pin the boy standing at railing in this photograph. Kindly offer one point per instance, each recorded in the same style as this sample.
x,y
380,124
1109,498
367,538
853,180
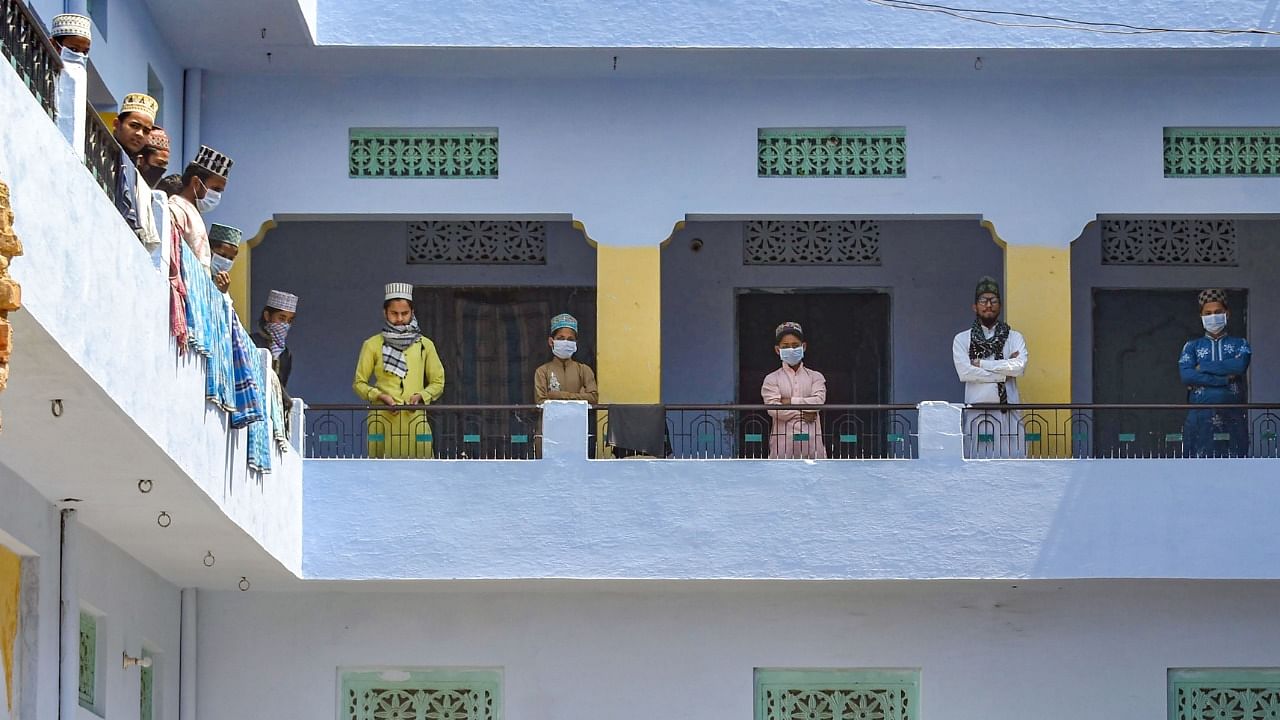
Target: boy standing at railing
x,y
796,433
1213,367
564,378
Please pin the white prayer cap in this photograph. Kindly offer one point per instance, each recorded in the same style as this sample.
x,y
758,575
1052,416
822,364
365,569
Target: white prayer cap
x,y
282,301
72,25
398,291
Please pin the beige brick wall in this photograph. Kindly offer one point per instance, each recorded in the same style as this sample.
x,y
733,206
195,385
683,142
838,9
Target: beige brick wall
x,y
10,291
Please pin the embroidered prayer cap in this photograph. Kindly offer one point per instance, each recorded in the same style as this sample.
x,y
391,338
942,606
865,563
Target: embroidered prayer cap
x,y
72,25
398,291
280,300
224,235
213,161
140,103
987,284
158,139
1213,295
564,320
788,328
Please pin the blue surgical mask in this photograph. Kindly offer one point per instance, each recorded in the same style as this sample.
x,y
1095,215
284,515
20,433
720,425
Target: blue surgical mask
x,y
564,349
209,201
1214,324
221,264
791,356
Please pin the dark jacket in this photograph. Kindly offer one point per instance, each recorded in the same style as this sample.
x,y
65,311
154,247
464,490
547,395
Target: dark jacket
x,y
283,364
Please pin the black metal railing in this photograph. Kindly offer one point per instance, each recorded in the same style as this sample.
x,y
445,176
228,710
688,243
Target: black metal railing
x,y
29,51
454,432
1039,431
101,152
752,431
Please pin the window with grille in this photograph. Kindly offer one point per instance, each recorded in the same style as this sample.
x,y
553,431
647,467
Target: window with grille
x,y
1218,693
832,152
421,693
845,694
91,647
423,152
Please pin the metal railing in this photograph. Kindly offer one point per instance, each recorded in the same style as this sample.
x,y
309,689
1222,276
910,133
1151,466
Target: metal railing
x,y
455,432
28,50
750,431
101,152
1042,431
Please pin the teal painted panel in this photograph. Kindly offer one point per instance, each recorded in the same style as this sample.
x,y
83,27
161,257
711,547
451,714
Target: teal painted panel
x,y
377,437
1031,437
1222,436
1221,693
705,438
1221,152
520,439
845,694
470,438
1173,437
753,437
88,660
1126,437
146,694
832,152
986,438
800,437
896,437
1080,437
422,437
848,438
1269,435
423,153
327,438
437,694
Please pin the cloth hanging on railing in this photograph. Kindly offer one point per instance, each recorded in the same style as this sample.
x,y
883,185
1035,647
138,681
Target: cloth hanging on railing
x,y
259,432
275,405
249,402
209,323
177,292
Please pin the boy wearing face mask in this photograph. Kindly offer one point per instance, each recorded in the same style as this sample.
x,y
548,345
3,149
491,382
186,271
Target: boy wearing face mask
x,y
795,433
224,244
1213,368
202,184
564,378
273,330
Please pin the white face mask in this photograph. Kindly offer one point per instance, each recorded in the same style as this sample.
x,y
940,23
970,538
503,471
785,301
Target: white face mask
x,y
1214,324
209,201
791,356
221,264
564,349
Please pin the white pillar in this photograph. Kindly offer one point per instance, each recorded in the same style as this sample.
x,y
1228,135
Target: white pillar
x,y
941,436
73,96
69,601
187,659
564,430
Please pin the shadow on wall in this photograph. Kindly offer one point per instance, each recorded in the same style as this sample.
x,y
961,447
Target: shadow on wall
x,y
338,269
926,267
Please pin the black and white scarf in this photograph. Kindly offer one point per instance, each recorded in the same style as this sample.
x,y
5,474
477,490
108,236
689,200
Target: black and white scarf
x,y
980,347
395,340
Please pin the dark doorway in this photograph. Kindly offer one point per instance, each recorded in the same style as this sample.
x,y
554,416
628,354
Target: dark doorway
x,y
491,339
848,336
1137,337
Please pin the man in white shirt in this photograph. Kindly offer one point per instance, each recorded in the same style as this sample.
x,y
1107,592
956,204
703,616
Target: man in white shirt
x,y
989,357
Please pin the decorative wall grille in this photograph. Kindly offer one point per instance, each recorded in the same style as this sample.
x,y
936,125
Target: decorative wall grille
x,y
811,242
1218,694
423,153
837,694
418,694
478,242
1221,152
146,698
88,660
1169,242
832,152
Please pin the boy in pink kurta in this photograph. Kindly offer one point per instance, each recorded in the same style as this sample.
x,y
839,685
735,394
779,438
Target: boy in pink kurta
x,y
796,433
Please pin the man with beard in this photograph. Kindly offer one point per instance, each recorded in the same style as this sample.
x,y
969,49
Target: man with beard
x,y
989,357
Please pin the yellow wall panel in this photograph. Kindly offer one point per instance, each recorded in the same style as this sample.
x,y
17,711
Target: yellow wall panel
x,y
1038,304
10,591
629,321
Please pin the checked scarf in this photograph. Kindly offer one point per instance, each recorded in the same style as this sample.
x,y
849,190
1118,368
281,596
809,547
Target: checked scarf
x,y
395,340
277,333
982,348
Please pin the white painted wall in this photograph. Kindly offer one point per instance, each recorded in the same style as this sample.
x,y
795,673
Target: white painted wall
x,y
1037,142
936,517
94,330
140,607
1051,651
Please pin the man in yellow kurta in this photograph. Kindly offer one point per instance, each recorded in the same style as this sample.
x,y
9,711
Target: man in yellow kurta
x,y
406,370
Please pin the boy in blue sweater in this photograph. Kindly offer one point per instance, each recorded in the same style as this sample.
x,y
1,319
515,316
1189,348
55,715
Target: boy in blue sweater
x,y
1213,369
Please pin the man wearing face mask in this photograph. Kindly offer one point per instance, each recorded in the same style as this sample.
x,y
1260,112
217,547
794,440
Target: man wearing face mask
x,y
154,160
72,32
564,378
224,244
202,184
795,433
989,357
406,370
273,330
1213,368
